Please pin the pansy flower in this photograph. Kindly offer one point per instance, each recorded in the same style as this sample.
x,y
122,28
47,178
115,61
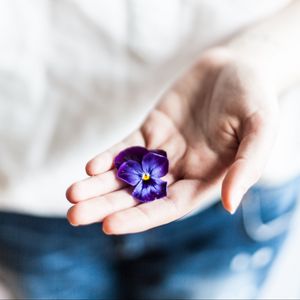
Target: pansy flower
x,y
143,169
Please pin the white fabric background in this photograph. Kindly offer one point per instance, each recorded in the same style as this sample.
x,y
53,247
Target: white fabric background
x,y
77,76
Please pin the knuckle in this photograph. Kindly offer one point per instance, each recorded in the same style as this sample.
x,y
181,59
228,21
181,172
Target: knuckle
x,y
109,204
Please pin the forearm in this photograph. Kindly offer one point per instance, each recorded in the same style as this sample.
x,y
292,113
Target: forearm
x,y
273,47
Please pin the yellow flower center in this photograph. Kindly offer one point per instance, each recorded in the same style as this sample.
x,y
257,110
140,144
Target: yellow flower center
x,y
146,176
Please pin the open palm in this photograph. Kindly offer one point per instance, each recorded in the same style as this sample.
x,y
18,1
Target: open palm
x,y
217,125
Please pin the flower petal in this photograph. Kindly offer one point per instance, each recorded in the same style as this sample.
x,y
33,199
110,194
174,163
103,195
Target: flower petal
x,y
150,190
155,164
159,151
132,153
131,172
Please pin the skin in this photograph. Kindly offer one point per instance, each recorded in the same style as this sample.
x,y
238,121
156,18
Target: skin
x,y
218,124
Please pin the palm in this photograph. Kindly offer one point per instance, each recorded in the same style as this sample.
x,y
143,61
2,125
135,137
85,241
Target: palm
x,y
204,137
193,162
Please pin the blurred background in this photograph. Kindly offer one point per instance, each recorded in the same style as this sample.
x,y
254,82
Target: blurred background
x,y
76,76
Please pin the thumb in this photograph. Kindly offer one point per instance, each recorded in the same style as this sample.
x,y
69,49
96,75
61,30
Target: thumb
x,y
253,152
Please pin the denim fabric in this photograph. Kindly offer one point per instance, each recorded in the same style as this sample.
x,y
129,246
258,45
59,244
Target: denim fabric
x,y
211,255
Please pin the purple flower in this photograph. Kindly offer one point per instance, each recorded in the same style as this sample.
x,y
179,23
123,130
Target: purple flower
x,y
143,169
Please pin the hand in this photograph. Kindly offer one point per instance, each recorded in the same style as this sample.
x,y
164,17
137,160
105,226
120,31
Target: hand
x,y
217,123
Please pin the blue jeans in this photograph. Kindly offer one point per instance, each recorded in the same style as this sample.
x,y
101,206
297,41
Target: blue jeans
x,y
209,255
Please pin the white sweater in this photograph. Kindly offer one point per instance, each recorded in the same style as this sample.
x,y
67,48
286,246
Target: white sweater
x,y
77,76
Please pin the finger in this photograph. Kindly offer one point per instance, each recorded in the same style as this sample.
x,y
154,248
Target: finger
x,y
105,160
183,197
94,210
175,147
94,186
156,135
249,163
167,138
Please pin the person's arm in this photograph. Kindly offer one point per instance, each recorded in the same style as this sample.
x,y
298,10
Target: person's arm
x,y
273,47
217,123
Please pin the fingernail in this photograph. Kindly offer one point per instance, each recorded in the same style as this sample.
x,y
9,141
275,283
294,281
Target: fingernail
x,y
231,210
105,231
235,201
74,225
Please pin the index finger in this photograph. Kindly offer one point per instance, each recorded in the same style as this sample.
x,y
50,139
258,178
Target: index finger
x,y
104,161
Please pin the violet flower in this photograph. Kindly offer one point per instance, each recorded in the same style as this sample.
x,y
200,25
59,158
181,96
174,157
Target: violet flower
x,y
143,169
